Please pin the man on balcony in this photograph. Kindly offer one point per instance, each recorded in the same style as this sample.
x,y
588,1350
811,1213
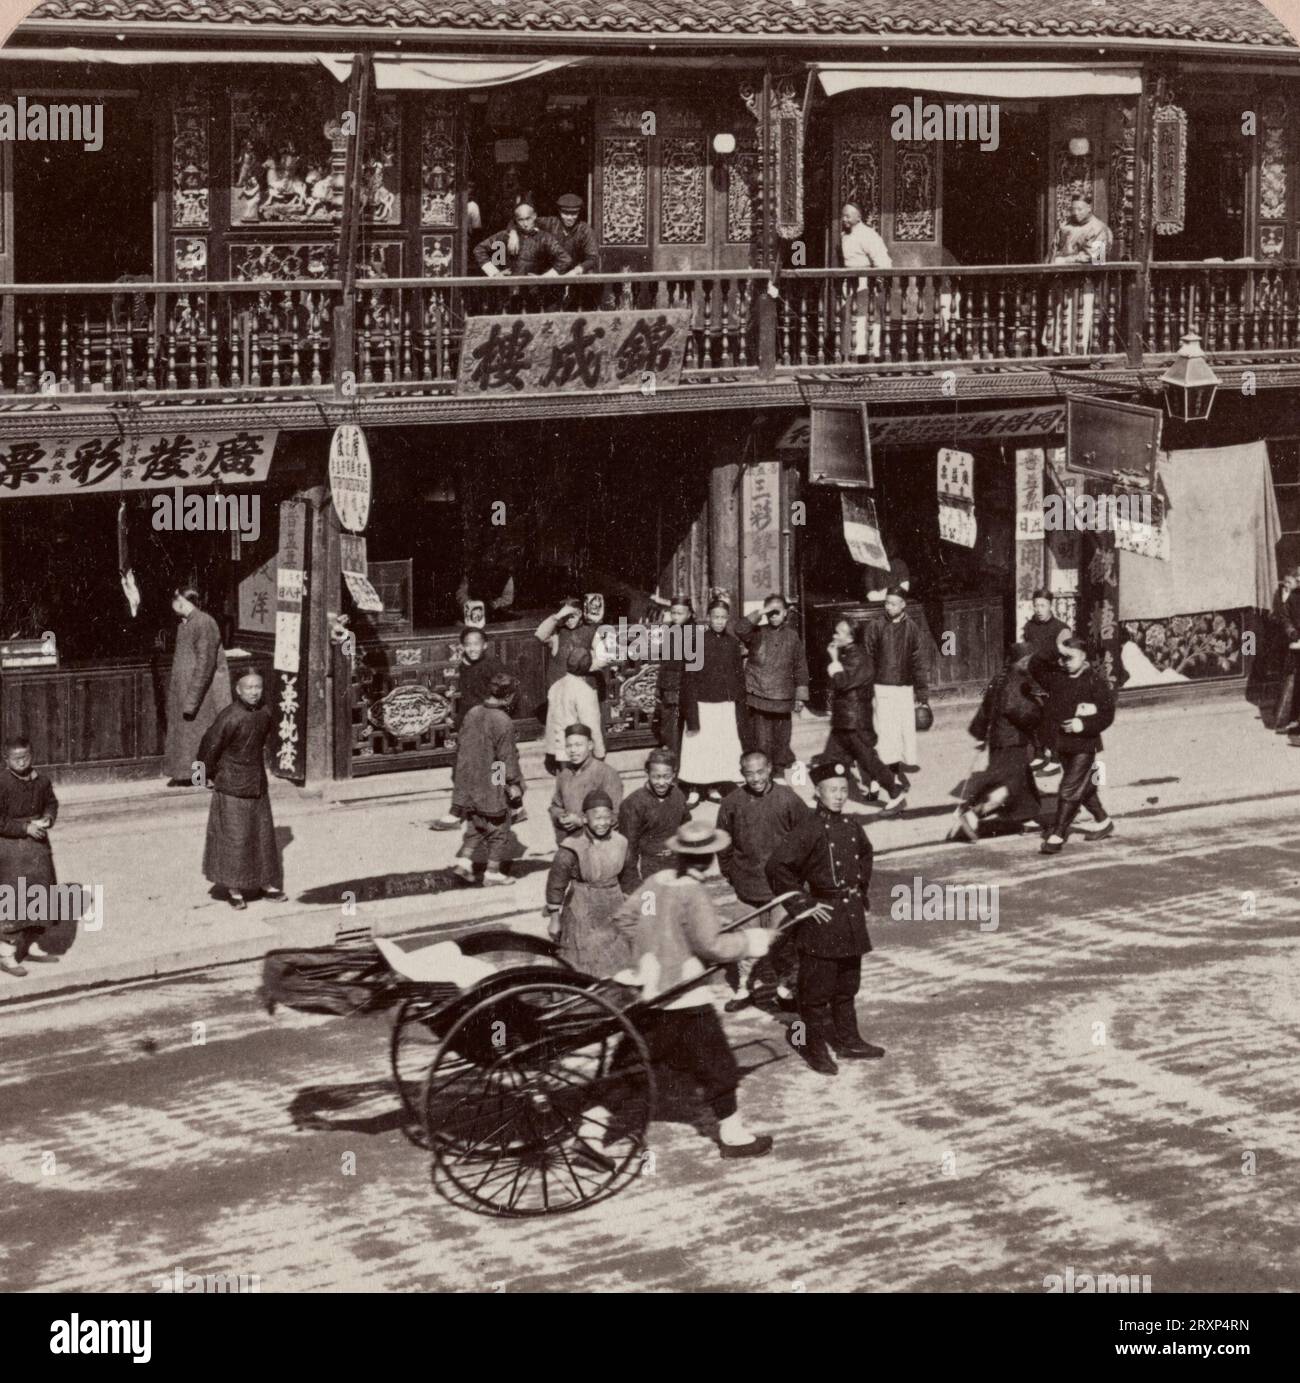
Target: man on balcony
x,y
1083,239
523,248
862,248
574,234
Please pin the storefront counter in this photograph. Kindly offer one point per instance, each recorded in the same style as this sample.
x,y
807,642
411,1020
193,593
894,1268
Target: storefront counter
x,y
960,666
402,704
102,720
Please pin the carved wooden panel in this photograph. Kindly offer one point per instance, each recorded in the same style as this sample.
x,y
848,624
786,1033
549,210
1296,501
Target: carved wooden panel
x,y
190,161
914,192
438,165
313,259
1120,209
744,191
189,258
682,181
860,174
1272,178
1072,175
624,218
436,255
288,152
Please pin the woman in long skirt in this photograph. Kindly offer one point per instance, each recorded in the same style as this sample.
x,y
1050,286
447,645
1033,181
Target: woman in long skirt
x,y
713,696
583,894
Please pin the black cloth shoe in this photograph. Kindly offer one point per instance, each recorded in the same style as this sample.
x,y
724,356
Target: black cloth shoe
x,y
813,1049
756,1147
848,1042
734,1005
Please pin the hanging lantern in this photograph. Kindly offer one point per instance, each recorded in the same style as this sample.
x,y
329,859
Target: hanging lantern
x,y
1189,384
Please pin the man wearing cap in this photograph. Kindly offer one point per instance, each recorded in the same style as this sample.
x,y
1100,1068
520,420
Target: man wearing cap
x,y
901,683
575,235
649,817
776,681
827,857
675,933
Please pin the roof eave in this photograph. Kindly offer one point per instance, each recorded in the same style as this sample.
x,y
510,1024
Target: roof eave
x,y
388,35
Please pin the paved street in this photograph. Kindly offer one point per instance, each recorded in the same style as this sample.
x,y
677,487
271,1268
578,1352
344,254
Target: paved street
x,y
1104,1082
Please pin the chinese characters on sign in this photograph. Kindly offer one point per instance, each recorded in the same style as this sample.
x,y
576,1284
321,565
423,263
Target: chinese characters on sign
x,y
356,575
109,462
350,476
955,472
760,539
572,352
862,531
290,588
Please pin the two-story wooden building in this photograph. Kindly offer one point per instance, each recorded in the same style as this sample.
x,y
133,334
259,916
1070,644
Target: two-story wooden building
x,y
277,238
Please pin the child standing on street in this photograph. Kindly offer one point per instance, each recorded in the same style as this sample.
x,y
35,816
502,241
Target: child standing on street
x,y
583,894
28,809
488,783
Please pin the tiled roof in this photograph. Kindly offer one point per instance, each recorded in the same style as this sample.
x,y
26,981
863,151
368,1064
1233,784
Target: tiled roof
x,y
1216,21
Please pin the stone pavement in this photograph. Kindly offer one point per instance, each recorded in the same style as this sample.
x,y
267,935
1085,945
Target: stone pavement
x,y
362,854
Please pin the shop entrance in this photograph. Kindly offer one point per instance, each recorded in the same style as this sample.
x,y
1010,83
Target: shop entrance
x,y
82,217
992,198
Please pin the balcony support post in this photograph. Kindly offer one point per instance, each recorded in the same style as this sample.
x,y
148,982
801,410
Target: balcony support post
x,y
344,360
1137,325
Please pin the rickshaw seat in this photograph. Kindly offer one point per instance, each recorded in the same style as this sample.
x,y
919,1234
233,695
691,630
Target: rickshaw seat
x,y
442,963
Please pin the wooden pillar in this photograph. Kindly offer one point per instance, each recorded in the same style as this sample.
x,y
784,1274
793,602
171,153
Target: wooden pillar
x,y
1143,220
1029,536
349,228
324,596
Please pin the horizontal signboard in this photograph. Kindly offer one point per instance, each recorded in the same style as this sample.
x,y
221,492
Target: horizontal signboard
x,y
573,352
108,462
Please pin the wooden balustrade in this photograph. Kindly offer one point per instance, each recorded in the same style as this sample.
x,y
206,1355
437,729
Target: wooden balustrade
x,y
170,338
1236,308
206,340
409,331
834,317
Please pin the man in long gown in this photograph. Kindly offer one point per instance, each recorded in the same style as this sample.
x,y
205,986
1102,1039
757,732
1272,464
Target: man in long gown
x,y
199,688
240,853
28,809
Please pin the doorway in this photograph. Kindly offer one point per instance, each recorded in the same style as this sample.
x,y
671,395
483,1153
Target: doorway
x,y
82,217
992,204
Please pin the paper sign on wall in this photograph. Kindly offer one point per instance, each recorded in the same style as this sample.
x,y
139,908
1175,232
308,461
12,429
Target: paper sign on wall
x,y
862,532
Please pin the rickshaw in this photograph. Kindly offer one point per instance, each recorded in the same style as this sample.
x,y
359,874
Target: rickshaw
x,y
497,1050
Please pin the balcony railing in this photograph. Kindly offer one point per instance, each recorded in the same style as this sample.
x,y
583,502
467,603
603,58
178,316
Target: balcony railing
x,y
202,342
909,317
208,339
1236,308
409,331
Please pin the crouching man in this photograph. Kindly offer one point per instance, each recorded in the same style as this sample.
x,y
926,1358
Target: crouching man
x,y
675,933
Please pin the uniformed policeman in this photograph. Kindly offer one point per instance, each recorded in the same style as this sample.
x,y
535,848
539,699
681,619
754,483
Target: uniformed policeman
x,y
828,857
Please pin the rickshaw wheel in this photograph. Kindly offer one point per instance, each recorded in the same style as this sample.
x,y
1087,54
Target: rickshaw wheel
x,y
512,1094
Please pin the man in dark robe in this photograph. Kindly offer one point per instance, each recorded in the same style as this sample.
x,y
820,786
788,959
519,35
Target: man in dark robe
x,y
477,670
240,853
198,690
28,809
489,784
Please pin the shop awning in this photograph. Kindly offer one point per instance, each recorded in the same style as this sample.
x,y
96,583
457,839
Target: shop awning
x,y
410,72
1011,81
340,64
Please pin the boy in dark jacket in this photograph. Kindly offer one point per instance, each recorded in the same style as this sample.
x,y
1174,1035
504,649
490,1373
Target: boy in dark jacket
x,y
28,810
649,818
1007,721
776,681
1041,632
488,783
852,739
1080,704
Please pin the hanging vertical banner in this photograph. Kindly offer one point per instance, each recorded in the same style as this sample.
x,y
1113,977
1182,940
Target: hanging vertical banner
x,y
289,706
957,523
760,536
862,531
1029,530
